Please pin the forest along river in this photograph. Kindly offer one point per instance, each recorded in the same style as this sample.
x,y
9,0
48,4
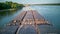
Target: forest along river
x,y
50,13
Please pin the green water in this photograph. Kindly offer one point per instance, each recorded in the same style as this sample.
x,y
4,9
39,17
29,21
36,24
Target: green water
x,y
6,16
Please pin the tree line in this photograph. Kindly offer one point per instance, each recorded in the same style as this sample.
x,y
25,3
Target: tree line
x,y
10,5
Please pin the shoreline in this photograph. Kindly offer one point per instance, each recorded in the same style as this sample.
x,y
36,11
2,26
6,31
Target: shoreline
x,y
7,10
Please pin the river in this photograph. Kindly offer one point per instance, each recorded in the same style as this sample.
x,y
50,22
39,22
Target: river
x,y
7,16
50,13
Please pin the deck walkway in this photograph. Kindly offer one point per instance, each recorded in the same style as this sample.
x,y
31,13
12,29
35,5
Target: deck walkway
x,y
27,22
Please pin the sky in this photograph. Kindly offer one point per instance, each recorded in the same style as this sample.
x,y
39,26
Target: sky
x,y
33,1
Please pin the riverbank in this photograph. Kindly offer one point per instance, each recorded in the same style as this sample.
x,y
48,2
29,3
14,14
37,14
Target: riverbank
x,y
7,10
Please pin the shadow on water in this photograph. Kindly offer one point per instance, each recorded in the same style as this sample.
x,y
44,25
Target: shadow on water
x,y
6,16
6,13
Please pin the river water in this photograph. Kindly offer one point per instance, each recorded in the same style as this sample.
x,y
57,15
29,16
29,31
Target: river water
x,y
50,13
7,16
